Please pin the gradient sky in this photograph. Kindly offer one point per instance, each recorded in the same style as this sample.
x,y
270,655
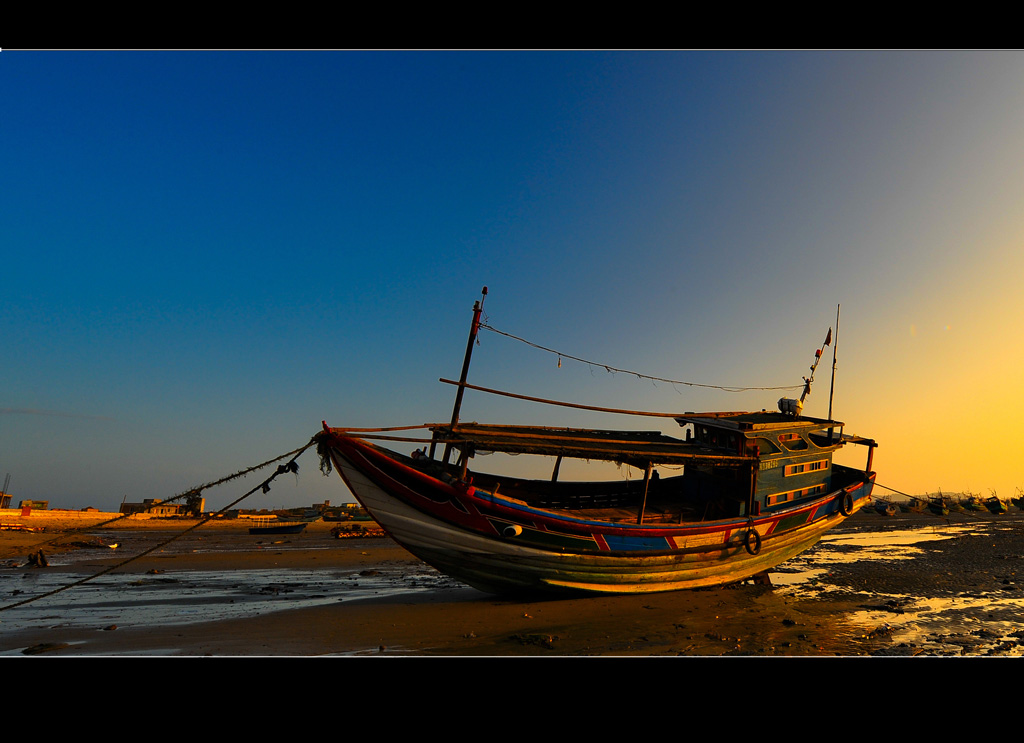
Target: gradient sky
x,y
205,254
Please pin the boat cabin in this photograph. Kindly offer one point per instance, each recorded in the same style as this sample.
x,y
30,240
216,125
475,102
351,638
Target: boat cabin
x,y
794,454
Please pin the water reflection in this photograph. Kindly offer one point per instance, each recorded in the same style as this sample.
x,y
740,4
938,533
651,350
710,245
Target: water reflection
x,y
981,624
193,596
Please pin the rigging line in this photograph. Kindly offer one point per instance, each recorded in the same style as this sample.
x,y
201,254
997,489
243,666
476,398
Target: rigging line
x,y
346,429
265,485
899,492
613,369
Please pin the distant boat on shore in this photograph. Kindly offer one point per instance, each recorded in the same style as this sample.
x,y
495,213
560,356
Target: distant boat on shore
x,y
996,505
973,503
20,527
938,505
885,507
268,526
913,505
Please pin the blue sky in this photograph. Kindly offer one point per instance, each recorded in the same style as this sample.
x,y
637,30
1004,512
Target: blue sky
x,y
208,253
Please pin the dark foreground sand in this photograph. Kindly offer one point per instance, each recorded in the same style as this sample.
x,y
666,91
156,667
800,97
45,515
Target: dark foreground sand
x,y
843,612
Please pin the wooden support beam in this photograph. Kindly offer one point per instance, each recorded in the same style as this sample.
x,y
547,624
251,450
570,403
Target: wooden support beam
x,y
643,503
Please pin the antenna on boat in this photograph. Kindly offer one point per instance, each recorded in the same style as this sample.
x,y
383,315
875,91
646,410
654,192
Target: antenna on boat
x,y
478,308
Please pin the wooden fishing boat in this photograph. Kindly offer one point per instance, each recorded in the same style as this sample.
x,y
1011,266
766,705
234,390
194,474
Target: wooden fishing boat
x,y
946,504
938,505
912,505
996,505
885,507
263,526
756,489
973,503
20,527
956,504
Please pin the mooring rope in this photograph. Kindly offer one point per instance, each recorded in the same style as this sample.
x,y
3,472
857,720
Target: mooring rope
x,y
291,466
607,367
898,492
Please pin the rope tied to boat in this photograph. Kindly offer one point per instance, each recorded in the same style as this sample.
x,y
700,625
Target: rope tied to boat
x,y
323,451
290,466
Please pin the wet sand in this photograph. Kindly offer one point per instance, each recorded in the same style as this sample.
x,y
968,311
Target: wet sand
x,y
311,595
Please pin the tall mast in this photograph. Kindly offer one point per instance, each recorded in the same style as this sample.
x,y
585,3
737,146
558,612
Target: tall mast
x,y
835,345
832,387
478,307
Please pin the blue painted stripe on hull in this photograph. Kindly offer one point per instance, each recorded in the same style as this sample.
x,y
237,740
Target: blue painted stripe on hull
x,y
616,543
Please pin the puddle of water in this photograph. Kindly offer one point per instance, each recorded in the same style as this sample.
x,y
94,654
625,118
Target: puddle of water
x,y
961,625
804,570
895,538
954,626
191,596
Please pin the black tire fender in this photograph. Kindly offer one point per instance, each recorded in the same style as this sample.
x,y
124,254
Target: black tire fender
x,y
752,541
846,504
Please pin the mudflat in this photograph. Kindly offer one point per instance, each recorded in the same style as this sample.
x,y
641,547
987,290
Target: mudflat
x,y
938,586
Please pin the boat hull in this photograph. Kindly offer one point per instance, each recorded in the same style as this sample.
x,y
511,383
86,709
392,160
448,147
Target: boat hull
x,y
500,545
280,529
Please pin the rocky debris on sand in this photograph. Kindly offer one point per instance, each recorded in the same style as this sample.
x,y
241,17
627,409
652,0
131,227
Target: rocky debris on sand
x,y
37,560
532,638
44,647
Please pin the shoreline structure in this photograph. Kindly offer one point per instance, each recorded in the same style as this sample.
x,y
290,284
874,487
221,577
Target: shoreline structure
x,y
63,519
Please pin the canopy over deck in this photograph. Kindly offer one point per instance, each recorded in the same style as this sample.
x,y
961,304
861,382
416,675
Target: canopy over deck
x,y
759,421
633,447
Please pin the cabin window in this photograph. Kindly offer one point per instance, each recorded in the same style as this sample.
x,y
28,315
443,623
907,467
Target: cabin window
x,y
765,446
805,467
774,500
792,441
718,439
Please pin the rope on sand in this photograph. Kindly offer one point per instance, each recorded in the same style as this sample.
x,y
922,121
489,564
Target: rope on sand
x,y
290,466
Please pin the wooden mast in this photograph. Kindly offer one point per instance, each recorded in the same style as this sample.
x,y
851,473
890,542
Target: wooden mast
x,y
478,307
832,387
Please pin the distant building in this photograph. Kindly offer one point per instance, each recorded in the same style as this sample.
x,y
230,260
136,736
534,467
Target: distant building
x,y
40,505
155,507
